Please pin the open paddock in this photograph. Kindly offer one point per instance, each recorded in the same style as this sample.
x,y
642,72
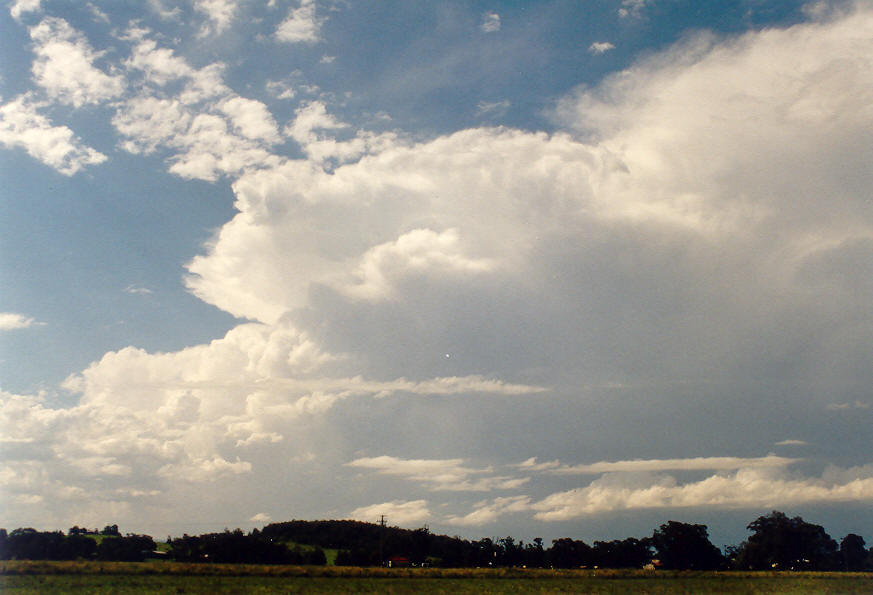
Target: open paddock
x,y
163,577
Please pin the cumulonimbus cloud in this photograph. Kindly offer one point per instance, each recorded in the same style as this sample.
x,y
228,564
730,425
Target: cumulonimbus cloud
x,y
672,230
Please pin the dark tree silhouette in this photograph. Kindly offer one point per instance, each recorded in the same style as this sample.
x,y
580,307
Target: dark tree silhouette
x,y
786,544
853,552
569,553
131,548
621,553
683,546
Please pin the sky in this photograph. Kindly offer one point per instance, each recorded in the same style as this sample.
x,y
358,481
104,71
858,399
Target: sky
x,y
547,268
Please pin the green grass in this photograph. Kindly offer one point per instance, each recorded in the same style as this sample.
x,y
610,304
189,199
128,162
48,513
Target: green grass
x,y
23,577
153,583
329,553
162,546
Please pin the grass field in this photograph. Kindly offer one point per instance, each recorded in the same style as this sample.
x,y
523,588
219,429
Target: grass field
x,y
168,577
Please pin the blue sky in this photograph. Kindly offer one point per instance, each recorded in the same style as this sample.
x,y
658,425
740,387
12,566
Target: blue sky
x,y
539,268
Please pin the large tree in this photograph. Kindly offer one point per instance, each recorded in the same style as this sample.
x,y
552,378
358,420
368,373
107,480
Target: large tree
x,y
784,543
624,553
853,552
569,553
685,546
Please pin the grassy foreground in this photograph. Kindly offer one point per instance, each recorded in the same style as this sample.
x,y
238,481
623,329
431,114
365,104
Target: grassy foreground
x,y
169,577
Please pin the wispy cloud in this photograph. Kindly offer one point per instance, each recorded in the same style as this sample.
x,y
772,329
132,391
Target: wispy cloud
x,y
219,12
440,474
650,465
21,125
210,130
745,488
11,321
137,290
599,47
848,406
301,26
448,385
490,22
492,108
791,442
20,7
164,13
64,66
531,464
632,8
98,15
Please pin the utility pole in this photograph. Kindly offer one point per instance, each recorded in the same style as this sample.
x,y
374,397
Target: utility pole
x,y
382,523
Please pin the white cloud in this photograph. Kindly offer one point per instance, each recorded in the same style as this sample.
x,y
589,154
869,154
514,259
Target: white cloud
x,y
310,129
219,12
22,126
746,488
281,89
310,117
646,115
159,65
413,252
600,47
144,421
532,465
632,8
457,181
301,25
204,469
251,119
490,22
11,321
397,512
440,474
164,13
261,517
488,511
209,149
64,65
791,442
210,130
149,122
20,7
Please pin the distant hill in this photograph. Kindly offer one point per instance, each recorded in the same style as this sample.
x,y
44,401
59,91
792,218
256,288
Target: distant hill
x,y
362,543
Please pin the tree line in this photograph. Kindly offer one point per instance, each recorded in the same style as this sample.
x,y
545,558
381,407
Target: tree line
x,y
776,542
77,544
